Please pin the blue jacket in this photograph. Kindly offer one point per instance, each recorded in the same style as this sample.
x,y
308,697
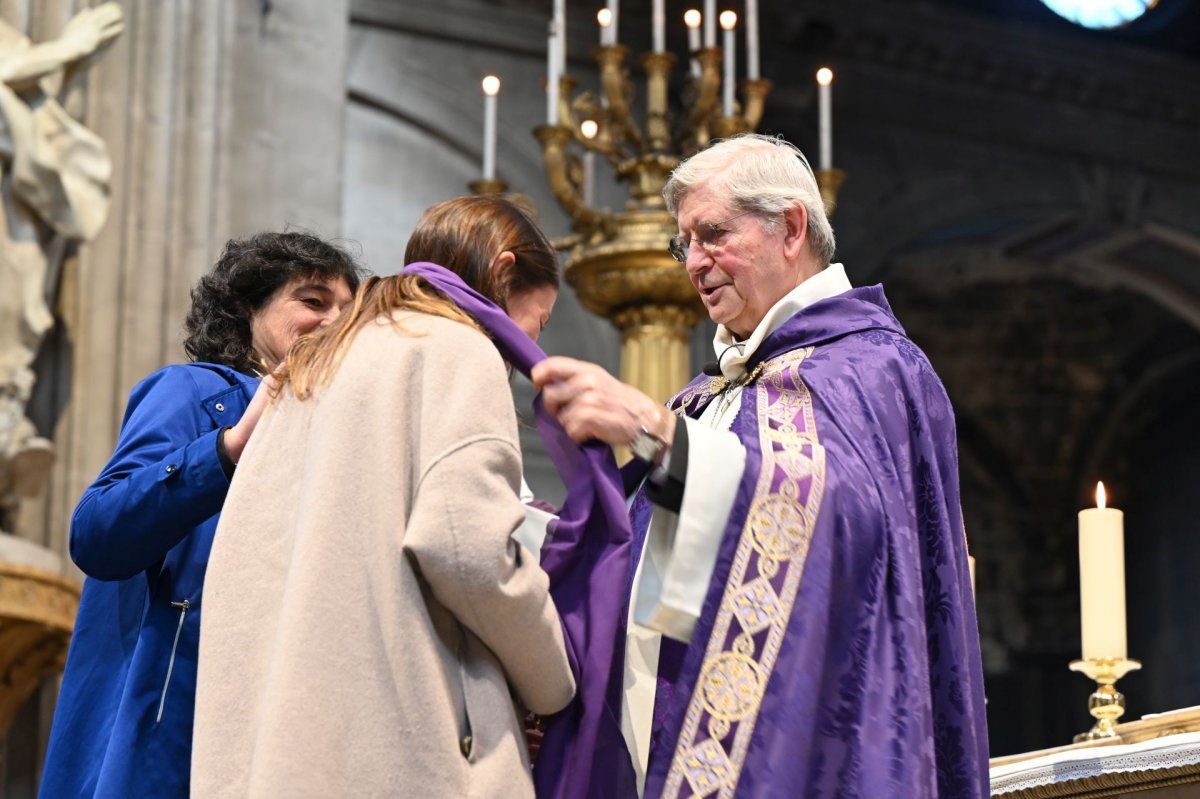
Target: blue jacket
x,y
142,533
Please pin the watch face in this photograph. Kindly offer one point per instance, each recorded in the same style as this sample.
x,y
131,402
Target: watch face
x,y
1100,13
646,447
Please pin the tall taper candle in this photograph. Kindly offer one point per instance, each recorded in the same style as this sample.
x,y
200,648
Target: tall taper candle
x,y
710,23
552,76
1102,580
615,8
825,116
491,87
560,27
605,18
729,45
658,25
691,18
752,40
589,128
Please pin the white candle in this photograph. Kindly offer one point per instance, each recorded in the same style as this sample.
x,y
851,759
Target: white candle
x,y
691,18
607,35
589,178
560,28
658,22
491,87
752,39
589,128
728,23
825,116
552,77
614,7
1102,580
710,23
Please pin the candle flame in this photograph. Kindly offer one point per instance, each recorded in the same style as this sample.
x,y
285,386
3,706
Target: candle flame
x,y
491,85
691,18
728,20
589,128
1100,495
824,76
604,17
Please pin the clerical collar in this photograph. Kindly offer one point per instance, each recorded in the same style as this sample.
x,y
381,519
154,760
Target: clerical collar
x,y
733,354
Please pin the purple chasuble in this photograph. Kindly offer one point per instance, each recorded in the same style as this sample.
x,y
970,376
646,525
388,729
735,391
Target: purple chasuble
x,y
587,556
837,653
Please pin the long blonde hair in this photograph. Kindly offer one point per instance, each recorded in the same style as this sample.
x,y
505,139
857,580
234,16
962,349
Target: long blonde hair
x,y
464,235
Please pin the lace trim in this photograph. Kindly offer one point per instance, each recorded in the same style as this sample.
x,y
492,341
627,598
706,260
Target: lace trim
x,y
1173,755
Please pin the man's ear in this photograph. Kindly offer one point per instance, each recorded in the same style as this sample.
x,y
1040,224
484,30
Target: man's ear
x,y
795,234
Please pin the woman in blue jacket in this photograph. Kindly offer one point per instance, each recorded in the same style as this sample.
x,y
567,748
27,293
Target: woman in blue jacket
x,y
142,531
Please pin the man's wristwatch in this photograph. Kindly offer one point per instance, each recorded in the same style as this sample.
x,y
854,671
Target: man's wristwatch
x,y
646,446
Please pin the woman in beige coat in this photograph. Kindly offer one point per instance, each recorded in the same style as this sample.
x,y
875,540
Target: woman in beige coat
x,y
370,627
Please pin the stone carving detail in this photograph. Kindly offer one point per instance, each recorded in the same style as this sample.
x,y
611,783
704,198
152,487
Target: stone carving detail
x,y
54,190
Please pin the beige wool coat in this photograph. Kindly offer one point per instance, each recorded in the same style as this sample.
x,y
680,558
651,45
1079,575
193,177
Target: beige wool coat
x,y
367,619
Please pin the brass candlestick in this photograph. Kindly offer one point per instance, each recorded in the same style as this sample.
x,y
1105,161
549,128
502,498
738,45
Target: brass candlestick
x,y
1106,703
484,186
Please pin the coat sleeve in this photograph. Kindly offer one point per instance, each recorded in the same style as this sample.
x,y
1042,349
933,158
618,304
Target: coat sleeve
x,y
465,507
459,532
163,479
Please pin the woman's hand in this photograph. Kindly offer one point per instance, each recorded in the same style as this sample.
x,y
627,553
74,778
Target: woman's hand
x,y
235,437
534,733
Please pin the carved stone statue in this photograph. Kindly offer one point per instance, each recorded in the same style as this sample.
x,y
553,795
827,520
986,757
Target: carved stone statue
x,y
54,191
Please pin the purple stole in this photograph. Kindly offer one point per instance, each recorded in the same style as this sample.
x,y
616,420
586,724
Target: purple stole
x,y
837,653
587,556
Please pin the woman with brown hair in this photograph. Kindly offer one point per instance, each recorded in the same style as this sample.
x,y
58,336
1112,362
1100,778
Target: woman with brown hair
x,y
368,617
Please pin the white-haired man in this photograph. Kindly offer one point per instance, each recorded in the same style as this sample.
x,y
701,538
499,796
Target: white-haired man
x,y
801,621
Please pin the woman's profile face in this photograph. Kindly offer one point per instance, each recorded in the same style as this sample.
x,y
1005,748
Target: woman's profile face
x,y
298,307
531,308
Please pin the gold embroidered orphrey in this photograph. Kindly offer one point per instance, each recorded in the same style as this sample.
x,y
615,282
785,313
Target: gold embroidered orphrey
x,y
771,552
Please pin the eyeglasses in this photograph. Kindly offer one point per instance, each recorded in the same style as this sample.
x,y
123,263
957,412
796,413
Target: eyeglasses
x,y
708,235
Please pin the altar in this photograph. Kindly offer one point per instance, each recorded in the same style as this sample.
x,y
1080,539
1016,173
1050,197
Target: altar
x,y
1155,757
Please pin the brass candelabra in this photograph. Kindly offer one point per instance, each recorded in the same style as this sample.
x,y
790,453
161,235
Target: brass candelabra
x,y
618,262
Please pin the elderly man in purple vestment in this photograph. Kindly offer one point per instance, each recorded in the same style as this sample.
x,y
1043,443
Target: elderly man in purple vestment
x,y
801,621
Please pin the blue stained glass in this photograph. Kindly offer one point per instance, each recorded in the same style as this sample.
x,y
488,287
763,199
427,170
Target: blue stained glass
x,y
1100,13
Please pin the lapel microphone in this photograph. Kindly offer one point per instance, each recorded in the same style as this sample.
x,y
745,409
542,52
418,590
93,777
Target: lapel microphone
x,y
713,368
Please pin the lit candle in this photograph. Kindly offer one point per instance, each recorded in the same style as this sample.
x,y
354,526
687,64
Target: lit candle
x,y
728,23
552,77
658,23
589,128
691,18
752,39
607,35
825,116
560,28
491,87
1102,580
710,23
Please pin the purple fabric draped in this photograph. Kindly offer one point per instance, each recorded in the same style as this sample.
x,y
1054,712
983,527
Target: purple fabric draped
x,y
587,556
874,687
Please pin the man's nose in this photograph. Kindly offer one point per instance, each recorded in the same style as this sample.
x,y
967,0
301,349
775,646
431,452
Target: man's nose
x,y
698,259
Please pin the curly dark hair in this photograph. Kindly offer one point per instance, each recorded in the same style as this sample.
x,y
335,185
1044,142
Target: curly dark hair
x,y
247,274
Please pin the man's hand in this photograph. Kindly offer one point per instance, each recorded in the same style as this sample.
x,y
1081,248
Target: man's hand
x,y
237,436
592,404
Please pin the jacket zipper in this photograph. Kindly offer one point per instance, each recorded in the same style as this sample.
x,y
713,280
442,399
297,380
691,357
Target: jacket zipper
x,y
183,609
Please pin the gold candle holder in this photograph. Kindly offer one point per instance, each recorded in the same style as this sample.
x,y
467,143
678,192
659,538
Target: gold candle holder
x,y
830,182
1106,704
487,186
